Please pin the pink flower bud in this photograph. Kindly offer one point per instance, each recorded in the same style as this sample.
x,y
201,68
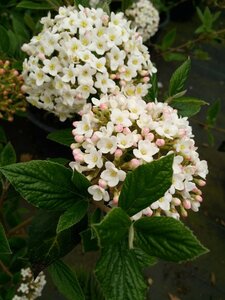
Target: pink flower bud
x,y
126,130
198,198
118,128
201,182
148,212
2,71
115,200
122,69
41,56
94,138
118,153
75,123
150,136
134,163
79,138
187,204
73,146
113,76
105,19
181,132
24,88
176,201
145,131
144,73
117,76
197,191
103,106
149,106
102,183
146,79
79,157
160,142
76,151
15,73
122,82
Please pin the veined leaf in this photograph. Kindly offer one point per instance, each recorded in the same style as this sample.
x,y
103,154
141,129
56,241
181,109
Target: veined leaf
x,y
63,136
187,106
4,245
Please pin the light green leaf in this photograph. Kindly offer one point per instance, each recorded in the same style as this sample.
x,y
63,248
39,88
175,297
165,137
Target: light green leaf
x,y
179,78
72,215
119,273
66,281
113,227
187,106
146,184
42,5
8,155
4,245
167,238
44,184
63,136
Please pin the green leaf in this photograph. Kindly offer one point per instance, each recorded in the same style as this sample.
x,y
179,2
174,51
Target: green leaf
x,y
81,183
187,106
3,138
34,5
72,216
173,56
213,112
179,78
153,91
84,3
63,136
146,184
126,4
167,238
43,183
168,39
4,41
59,160
66,281
4,245
8,155
44,245
119,273
113,227
89,242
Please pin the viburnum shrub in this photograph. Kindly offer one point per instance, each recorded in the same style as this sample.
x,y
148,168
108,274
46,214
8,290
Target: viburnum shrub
x,y
144,17
136,170
80,53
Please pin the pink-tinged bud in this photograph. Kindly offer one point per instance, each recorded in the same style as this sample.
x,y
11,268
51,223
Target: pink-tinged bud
x,y
79,138
149,106
187,204
79,96
198,198
160,142
24,88
150,136
6,63
144,73
103,106
146,79
197,191
122,82
148,212
105,19
122,69
184,213
201,182
182,132
117,76
75,123
94,138
15,73
2,71
73,146
102,183
176,201
76,151
113,76
145,131
41,56
79,157
115,200
74,132
118,128
118,153
126,130
134,163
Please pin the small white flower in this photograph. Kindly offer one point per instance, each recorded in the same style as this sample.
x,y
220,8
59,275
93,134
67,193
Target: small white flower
x,y
107,144
98,193
112,175
146,150
120,117
94,158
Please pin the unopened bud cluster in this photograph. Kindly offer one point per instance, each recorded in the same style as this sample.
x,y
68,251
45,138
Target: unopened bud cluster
x,y
30,288
118,133
12,99
144,17
80,53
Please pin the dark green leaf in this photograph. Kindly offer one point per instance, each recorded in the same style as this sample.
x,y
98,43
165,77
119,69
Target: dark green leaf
x,y
167,238
63,136
8,155
84,3
34,5
43,183
146,184
113,227
4,245
173,56
179,78
212,113
153,91
187,106
66,281
44,245
4,41
72,215
168,39
81,183
3,138
89,242
126,4
59,160
119,273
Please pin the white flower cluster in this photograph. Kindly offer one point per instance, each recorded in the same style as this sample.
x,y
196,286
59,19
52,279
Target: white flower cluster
x,y
80,53
117,134
30,288
144,17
